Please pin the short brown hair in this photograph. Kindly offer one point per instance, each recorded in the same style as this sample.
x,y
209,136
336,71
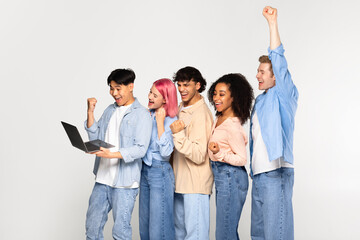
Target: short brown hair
x,y
265,59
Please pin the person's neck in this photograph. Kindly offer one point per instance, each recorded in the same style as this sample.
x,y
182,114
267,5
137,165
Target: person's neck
x,y
227,113
131,101
193,100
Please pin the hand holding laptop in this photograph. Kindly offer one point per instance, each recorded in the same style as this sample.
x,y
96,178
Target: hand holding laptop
x,y
95,146
105,153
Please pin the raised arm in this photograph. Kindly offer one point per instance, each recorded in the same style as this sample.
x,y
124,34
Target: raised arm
x,y
270,15
90,111
91,125
284,84
165,139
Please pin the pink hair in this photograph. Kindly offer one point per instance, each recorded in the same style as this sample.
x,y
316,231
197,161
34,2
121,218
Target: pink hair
x,y
168,90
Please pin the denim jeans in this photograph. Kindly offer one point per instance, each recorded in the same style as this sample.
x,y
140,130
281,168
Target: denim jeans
x,y
271,206
231,186
103,199
192,216
156,205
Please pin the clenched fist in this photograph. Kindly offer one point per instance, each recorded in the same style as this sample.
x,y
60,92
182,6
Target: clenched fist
x,y
214,147
160,115
91,104
177,126
270,14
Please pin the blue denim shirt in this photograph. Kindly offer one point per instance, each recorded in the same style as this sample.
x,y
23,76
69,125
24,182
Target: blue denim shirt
x,y
276,111
135,133
160,149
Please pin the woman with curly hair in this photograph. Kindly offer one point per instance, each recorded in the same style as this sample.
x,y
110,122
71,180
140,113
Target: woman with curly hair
x,y
232,97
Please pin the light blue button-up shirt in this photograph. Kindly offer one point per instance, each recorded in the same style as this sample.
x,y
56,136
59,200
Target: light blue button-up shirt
x,y
160,149
276,111
135,133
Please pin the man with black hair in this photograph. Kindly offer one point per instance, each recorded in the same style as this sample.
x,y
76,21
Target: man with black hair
x,y
193,175
271,143
127,125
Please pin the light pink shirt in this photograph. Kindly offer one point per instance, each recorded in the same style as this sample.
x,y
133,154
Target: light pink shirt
x,y
232,140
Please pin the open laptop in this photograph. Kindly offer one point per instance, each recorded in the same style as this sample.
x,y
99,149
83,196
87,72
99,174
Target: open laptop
x,y
76,140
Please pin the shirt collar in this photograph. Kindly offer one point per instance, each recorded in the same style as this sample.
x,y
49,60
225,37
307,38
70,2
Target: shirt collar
x,y
193,107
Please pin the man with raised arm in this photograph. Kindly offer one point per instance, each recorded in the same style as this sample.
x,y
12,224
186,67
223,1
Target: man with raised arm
x,y
271,143
127,125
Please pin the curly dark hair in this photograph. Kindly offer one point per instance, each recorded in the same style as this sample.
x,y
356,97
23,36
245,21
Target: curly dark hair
x,y
190,74
241,92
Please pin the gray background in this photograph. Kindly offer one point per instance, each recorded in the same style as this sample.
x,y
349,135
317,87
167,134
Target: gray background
x,y
56,54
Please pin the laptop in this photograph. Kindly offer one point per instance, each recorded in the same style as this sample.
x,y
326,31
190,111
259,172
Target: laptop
x,y
76,140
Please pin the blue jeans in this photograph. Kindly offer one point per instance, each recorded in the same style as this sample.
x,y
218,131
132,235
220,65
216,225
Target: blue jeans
x,y
103,199
192,216
231,185
271,206
156,204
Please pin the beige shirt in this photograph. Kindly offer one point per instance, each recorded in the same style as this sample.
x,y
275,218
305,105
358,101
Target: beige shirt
x,y
191,162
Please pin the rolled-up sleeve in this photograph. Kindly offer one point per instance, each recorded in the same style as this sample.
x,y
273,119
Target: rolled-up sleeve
x,y
284,84
165,144
93,130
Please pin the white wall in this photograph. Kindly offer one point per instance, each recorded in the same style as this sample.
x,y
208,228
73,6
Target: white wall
x,y
55,54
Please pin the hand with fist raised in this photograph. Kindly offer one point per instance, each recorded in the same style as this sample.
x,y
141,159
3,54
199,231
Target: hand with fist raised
x,y
270,14
214,147
160,115
177,126
91,102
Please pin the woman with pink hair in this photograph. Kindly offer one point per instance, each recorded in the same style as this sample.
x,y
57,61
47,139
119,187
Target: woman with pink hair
x,y
157,183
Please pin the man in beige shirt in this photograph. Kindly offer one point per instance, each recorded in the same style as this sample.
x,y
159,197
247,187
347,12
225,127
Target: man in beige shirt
x,y
192,170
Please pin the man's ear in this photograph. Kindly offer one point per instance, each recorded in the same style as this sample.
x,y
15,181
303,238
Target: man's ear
x,y
273,78
131,87
198,86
